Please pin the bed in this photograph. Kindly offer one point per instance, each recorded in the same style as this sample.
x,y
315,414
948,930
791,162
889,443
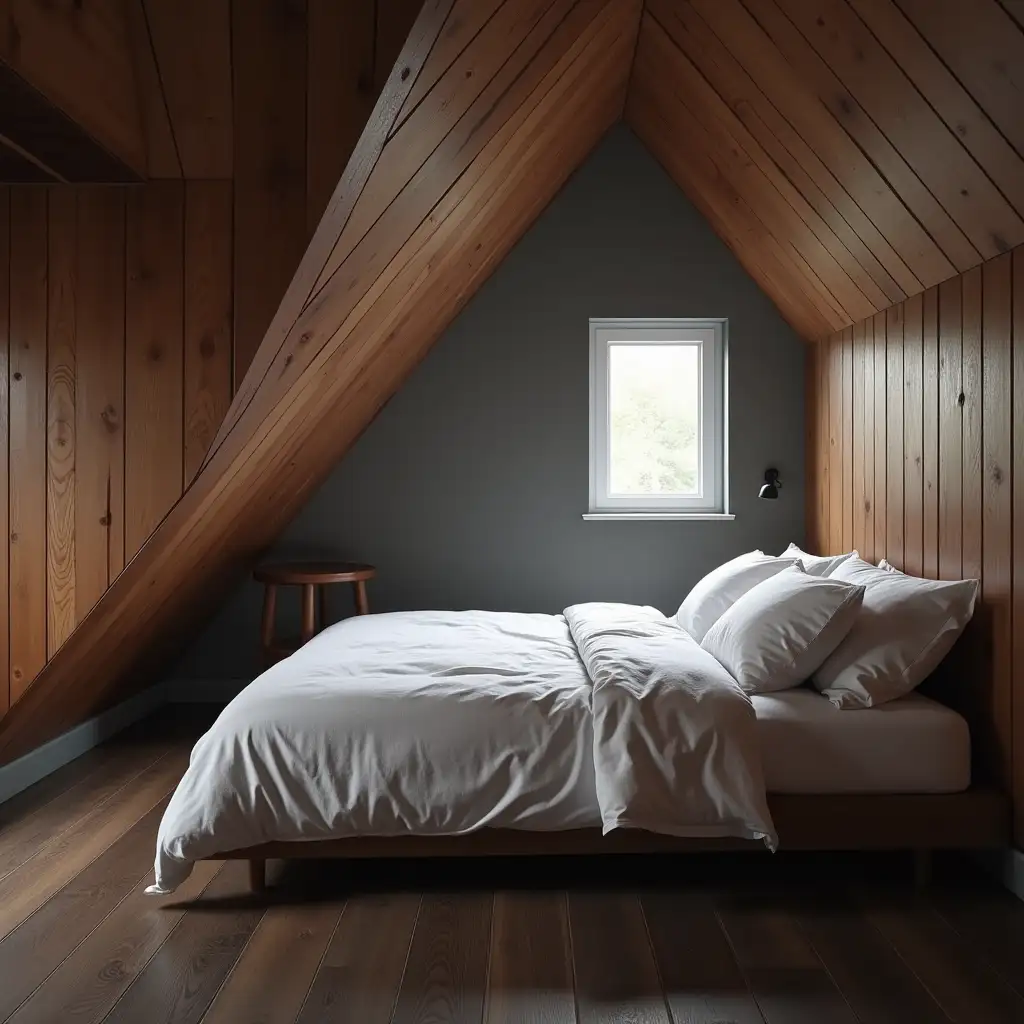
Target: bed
x,y
606,729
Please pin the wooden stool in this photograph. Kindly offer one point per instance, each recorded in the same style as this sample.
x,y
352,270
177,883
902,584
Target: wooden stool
x,y
309,576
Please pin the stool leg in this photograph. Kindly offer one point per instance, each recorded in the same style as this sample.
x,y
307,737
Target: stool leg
x,y
362,602
267,623
308,614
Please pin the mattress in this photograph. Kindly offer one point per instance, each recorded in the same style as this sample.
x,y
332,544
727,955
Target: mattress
x,y
910,745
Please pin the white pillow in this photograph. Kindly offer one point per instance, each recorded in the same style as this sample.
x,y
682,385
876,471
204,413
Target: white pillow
x,y
780,631
719,590
818,565
906,626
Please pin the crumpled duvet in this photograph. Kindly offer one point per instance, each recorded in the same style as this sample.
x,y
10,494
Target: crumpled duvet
x,y
675,742
441,723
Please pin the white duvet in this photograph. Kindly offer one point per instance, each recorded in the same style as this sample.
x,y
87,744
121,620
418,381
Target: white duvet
x,y
440,723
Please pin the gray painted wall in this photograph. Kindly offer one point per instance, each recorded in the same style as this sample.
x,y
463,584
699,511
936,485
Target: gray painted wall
x,y
468,489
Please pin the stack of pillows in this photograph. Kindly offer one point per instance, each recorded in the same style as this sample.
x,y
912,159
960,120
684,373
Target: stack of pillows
x,y
862,634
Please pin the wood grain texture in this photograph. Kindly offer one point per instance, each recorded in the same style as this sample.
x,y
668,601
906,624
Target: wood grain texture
x,y
162,159
615,977
847,451
530,976
895,468
373,938
788,980
61,342
881,434
446,974
79,57
191,41
165,958
339,208
703,982
88,984
931,150
56,863
188,969
340,94
49,935
153,359
997,501
964,988
529,152
913,435
950,430
862,964
971,389
207,317
99,395
27,488
835,443
946,482
257,989
930,433
889,169
857,495
269,74
984,48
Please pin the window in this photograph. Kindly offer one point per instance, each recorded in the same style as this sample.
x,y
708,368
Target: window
x,y
657,414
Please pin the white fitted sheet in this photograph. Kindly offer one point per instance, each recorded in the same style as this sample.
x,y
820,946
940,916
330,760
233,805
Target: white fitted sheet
x,y
910,745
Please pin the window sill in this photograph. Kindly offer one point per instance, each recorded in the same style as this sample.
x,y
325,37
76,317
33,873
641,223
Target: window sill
x,y
647,516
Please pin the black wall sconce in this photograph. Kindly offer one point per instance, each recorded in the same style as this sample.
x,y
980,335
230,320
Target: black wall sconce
x,y
771,485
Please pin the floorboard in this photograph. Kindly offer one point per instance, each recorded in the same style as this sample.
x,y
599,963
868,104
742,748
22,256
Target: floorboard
x,y
784,940
788,980
703,982
531,973
178,984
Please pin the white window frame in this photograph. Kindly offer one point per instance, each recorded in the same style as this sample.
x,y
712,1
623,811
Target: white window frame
x,y
711,499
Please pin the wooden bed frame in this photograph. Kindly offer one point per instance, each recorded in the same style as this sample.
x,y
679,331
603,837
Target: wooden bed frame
x,y
978,818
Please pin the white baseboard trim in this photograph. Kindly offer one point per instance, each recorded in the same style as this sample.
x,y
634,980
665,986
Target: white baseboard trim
x,y
30,768
1007,867
37,764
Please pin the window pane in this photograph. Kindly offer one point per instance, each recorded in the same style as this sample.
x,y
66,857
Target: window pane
x,y
654,419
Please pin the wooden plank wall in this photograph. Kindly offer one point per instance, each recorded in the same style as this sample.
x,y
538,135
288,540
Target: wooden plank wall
x,y
92,451
125,313
921,445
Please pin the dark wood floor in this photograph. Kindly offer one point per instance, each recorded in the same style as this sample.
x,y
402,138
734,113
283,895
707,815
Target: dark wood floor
x,y
746,939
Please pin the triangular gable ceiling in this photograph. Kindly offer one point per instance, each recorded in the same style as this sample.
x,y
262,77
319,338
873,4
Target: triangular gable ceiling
x,y
847,150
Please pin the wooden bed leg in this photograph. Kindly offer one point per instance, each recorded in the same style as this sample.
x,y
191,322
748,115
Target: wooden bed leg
x,y
258,876
922,869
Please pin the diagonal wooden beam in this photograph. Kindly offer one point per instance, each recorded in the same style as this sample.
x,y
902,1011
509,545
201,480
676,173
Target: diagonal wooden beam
x,y
501,160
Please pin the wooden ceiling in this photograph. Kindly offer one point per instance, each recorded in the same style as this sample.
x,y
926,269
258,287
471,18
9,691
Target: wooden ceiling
x,y
851,152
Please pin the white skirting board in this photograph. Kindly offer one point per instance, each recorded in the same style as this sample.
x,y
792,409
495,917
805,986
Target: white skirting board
x,y
29,769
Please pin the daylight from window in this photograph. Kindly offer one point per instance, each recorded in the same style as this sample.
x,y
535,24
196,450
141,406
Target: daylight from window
x,y
654,419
